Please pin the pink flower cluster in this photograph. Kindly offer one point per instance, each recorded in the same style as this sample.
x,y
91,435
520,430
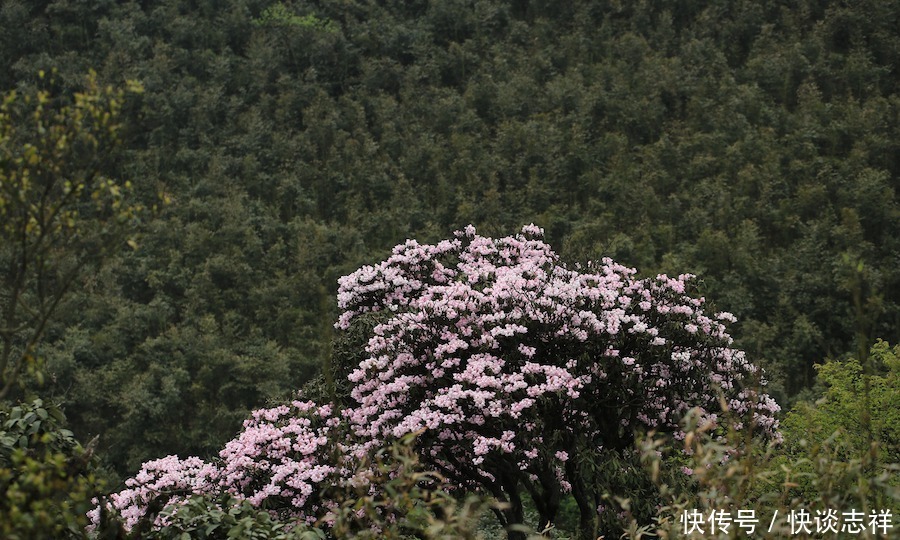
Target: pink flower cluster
x,y
283,460
163,480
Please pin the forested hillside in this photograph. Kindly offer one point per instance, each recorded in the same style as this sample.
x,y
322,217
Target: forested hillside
x,y
755,144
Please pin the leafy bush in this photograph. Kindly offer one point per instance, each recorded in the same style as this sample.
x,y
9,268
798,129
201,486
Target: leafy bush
x,y
46,483
783,493
224,518
859,402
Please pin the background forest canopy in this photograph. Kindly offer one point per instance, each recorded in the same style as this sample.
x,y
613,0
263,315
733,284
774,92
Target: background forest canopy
x,y
755,144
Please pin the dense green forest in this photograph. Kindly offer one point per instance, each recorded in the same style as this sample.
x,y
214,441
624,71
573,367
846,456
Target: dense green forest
x,y
277,146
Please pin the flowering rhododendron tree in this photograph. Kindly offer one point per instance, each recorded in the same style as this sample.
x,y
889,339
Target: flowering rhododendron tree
x,y
160,482
285,460
514,365
511,368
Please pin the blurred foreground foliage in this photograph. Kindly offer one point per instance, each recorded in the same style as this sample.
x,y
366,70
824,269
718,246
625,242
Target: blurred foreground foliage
x,y
839,454
46,477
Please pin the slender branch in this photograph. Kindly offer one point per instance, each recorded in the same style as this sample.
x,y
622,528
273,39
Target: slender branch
x,y
13,330
38,331
17,272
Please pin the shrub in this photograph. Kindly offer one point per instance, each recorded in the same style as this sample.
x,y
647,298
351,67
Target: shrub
x,y
46,484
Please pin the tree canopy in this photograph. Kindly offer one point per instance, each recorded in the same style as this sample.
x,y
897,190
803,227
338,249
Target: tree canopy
x,y
61,214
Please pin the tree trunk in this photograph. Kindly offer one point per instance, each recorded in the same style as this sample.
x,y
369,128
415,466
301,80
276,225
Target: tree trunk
x,y
547,497
587,512
515,514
